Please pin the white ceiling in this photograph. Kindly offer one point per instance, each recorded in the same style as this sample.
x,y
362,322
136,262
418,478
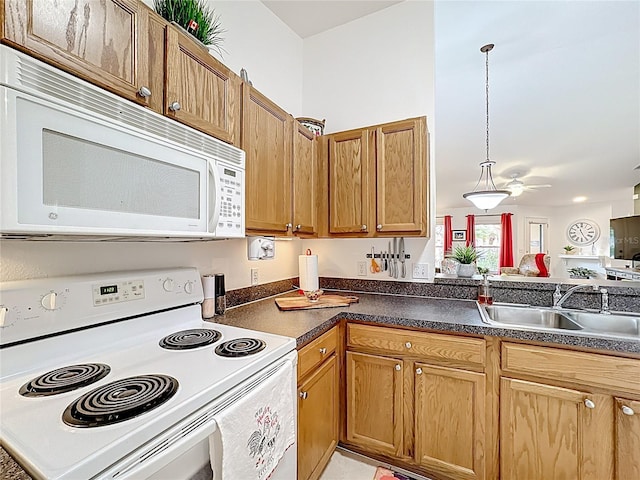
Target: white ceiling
x,y
564,96
309,17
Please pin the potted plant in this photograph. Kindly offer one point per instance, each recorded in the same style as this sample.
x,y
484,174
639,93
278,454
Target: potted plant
x,y
467,257
195,17
581,272
569,249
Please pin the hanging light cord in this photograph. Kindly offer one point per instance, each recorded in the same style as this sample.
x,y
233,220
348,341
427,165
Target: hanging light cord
x,y
487,95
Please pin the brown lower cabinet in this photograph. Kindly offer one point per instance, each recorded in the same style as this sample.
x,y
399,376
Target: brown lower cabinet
x,y
410,397
318,404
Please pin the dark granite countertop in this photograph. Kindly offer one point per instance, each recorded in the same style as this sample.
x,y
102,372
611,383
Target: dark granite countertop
x,y
446,315
9,469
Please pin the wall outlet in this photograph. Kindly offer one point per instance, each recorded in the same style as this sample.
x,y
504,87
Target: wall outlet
x,y
254,276
420,270
362,269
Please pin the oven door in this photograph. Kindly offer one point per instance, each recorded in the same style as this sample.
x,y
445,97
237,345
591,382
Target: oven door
x,y
182,452
68,171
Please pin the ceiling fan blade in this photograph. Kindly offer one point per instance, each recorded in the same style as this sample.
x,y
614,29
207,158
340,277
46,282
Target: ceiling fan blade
x,y
537,186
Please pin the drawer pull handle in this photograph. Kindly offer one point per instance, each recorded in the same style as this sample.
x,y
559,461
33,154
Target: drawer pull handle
x,y
398,367
323,351
627,410
303,395
418,371
589,403
408,344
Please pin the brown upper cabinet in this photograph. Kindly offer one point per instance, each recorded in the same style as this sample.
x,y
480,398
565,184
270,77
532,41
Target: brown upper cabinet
x,y
267,141
124,47
378,180
304,178
200,91
281,173
97,41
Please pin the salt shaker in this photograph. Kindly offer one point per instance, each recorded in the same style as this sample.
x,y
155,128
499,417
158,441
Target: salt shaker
x,y
221,298
209,302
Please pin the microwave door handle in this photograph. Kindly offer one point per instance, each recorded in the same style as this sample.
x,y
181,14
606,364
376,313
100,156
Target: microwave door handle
x,y
214,200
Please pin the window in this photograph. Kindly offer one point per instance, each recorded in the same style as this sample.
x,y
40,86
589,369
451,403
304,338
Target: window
x,y
488,238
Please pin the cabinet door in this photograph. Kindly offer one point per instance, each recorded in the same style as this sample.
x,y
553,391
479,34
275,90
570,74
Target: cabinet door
x,y
317,420
200,91
401,176
627,439
450,421
374,403
305,180
267,139
351,183
551,433
97,41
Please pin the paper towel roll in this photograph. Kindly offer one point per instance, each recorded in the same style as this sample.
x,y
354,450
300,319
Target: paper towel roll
x,y
308,272
209,286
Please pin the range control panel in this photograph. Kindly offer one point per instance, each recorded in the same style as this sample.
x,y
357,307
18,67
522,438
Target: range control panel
x,y
111,292
231,198
33,308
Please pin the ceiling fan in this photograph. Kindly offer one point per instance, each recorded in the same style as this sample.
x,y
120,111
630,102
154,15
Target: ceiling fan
x,y
517,187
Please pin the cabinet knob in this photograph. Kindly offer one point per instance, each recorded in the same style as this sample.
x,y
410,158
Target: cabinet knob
x,y
303,395
379,227
298,227
408,344
175,106
144,92
323,351
589,403
418,371
288,226
363,228
398,367
627,410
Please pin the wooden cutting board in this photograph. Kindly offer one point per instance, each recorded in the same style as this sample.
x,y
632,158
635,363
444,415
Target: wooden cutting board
x,y
324,301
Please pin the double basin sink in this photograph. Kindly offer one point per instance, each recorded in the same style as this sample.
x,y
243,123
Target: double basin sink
x,y
572,321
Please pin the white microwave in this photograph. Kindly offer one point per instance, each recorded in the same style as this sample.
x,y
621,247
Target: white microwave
x,y
78,160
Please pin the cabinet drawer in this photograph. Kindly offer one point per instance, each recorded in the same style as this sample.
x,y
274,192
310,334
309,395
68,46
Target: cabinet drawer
x,y
316,352
575,367
436,346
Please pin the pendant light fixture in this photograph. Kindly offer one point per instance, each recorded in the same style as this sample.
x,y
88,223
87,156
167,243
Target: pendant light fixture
x,y
485,195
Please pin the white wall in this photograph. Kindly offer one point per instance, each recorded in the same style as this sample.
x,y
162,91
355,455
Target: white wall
x,y
372,70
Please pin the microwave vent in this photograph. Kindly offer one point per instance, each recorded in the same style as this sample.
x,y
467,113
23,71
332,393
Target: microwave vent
x,y
43,80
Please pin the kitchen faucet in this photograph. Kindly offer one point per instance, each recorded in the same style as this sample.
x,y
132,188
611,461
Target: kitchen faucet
x,y
559,298
604,309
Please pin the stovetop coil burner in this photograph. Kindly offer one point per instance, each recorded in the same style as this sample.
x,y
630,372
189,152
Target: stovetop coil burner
x,y
188,339
64,379
120,400
240,347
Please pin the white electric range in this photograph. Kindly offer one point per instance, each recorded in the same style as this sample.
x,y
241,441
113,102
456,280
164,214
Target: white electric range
x,y
141,376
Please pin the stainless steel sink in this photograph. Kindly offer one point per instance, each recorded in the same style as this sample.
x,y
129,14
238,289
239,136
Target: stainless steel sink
x,y
588,323
530,317
611,324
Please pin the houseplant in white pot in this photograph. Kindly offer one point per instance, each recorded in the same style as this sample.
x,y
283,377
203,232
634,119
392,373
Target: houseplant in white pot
x,y
467,257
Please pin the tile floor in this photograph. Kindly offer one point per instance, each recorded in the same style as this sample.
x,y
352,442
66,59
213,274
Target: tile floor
x,y
346,466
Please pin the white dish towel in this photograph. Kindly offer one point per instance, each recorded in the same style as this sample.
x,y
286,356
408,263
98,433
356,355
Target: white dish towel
x,y
254,432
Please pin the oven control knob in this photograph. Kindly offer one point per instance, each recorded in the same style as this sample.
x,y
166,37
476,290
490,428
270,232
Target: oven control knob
x,y
4,311
50,301
168,285
188,287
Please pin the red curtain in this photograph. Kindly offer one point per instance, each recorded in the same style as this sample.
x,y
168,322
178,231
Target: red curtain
x,y
448,234
471,230
506,243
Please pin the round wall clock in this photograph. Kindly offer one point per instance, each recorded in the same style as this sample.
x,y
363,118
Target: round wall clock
x,y
583,232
